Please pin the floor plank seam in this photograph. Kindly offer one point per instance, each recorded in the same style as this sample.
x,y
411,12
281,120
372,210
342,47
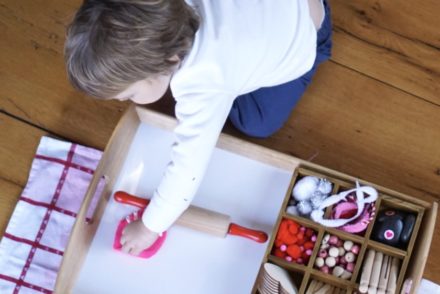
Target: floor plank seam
x,y
385,83
49,132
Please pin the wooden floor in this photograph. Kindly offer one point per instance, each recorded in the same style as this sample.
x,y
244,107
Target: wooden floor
x,y
373,111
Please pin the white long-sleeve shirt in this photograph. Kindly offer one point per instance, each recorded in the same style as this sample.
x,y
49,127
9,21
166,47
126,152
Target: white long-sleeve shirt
x,y
241,45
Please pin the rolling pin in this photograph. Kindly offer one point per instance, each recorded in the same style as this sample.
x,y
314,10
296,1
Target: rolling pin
x,y
201,219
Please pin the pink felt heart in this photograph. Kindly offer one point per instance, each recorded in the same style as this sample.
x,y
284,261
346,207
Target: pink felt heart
x,y
389,234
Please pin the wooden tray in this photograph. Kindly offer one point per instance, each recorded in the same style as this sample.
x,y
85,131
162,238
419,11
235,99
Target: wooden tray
x,y
111,164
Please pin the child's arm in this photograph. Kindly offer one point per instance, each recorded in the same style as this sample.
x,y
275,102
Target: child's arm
x,y
201,118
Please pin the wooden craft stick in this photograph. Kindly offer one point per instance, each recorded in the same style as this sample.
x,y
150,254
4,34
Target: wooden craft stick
x,y
384,274
392,280
318,286
366,271
324,289
310,289
375,273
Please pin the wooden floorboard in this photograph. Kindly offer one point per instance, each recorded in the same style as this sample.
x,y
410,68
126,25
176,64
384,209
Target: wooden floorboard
x,y
390,42
371,112
18,143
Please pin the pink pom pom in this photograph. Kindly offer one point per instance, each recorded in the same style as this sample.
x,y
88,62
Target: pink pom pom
x,y
288,258
309,252
313,238
300,260
283,247
302,229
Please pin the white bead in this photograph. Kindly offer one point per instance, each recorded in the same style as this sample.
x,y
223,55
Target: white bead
x,y
346,275
341,251
333,252
338,271
324,246
326,238
330,261
349,257
319,262
348,245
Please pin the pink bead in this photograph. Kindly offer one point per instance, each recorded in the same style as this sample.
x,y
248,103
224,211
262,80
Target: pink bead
x,y
313,238
283,247
350,267
299,260
340,243
288,258
302,229
342,260
324,269
309,251
333,240
323,253
355,249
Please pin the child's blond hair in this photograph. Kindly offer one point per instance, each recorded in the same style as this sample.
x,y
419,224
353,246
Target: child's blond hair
x,y
114,43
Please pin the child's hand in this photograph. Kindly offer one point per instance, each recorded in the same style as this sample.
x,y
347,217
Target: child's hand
x,y
136,237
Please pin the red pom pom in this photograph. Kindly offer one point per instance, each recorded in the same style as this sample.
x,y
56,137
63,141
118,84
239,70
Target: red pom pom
x,y
278,253
308,245
294,251
278,243
293,228
309,233
290,239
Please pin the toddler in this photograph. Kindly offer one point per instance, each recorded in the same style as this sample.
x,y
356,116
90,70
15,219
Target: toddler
x,y
248,61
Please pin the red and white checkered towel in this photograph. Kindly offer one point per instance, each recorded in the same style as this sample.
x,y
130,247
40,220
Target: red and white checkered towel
x,y
32,247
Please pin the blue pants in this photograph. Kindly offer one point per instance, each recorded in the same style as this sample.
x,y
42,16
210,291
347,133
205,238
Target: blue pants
x,y
264,111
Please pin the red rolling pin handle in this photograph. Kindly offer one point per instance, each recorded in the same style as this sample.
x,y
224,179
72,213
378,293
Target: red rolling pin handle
x,y
123,197
257,236
234,229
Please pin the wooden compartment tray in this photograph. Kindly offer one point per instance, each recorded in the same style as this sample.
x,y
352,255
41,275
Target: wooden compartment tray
x,y
412,258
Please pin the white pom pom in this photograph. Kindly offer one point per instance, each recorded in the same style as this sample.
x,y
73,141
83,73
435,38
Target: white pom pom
x,y
304,207
305,187
292,210
324,186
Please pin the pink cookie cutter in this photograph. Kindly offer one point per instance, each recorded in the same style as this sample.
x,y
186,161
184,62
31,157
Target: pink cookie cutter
x,y
147,253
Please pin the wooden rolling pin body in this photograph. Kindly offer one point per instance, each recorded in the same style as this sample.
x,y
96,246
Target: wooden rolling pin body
x,y
201,219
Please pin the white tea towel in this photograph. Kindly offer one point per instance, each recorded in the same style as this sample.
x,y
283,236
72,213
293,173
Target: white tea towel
x,y
32,247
